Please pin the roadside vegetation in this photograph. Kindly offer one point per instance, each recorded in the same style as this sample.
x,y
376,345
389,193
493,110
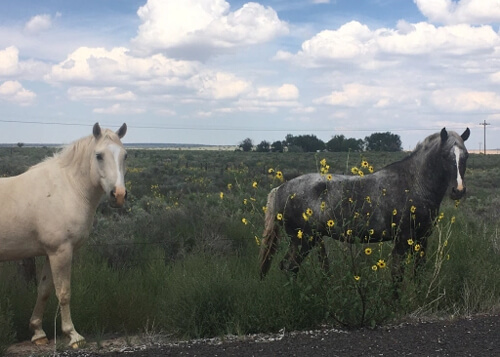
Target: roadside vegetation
x,y
181,257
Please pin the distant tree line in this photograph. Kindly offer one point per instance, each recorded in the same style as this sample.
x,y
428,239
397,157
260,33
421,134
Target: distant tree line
x,y
310,143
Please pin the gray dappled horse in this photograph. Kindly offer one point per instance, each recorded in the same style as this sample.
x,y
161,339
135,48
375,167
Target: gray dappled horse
x,y
398,203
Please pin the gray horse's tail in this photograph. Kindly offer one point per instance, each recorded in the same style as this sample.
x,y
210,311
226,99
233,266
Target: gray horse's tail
x,y
270,236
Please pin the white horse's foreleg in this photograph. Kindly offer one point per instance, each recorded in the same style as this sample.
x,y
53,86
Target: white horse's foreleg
x,y
45,288
60,264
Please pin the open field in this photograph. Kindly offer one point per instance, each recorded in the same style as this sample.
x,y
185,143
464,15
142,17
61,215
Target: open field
x,y
181,258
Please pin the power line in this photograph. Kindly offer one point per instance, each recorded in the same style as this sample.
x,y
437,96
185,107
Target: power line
x,y
164,127
42,123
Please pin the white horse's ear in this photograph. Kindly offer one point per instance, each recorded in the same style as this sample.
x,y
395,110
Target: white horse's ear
x,y
444,135
96,131
465,134
122,131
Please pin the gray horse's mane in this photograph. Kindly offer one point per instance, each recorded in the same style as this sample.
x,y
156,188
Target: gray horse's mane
x,y
429,145
429,142
433,142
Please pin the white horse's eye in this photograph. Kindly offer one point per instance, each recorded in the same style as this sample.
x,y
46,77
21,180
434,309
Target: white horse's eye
x,y
99,156
126,156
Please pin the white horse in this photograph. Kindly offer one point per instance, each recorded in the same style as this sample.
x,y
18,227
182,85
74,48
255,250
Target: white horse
x,y
49,209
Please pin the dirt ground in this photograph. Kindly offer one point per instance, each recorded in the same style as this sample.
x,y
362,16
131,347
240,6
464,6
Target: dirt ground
x,y
476,336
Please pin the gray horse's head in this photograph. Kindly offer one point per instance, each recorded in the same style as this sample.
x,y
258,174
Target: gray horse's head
x,y
455,158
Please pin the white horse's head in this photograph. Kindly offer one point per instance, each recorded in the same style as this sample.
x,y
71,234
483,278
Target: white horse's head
x,y
108,163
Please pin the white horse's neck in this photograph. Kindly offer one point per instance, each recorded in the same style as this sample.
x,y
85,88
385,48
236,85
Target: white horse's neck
x,y
90,194
75,162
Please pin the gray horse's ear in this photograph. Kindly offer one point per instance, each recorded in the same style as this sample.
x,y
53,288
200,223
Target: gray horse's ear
x,y
465,134
444,135
122,131
96,131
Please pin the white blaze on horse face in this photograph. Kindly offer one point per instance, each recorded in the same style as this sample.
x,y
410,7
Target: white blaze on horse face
x,y
119,189
116,150
460,183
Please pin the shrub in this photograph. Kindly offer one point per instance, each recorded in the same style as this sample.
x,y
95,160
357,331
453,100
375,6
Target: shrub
x,y
7,333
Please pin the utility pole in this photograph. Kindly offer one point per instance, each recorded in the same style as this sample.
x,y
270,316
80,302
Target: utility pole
x,y
484,123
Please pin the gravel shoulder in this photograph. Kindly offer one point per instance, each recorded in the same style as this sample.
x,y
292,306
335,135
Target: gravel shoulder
x,y
475,336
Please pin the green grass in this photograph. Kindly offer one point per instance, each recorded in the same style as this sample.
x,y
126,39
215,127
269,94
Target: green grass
x,y
178,259
7,335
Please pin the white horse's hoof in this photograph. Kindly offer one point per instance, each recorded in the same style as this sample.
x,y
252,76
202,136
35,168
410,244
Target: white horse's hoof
x,y
78,344
41,341
75,339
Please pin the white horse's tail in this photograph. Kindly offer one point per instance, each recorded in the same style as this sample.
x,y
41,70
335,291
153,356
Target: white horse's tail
x,y
270,236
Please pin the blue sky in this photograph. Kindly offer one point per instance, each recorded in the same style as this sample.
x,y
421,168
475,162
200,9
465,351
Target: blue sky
x,y
217,71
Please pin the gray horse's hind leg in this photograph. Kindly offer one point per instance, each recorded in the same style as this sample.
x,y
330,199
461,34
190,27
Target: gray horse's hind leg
x,y
397,269
299,250
45,288
323,256
267,249
292,260
294,257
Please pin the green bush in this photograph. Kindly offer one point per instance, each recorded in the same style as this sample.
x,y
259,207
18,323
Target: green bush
x,y
7,333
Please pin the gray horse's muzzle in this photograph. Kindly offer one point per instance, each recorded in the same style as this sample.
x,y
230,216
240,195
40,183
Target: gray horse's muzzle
x,y
457,194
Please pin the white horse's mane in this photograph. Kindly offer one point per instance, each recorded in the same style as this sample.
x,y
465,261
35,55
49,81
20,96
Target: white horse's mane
x,y
77,152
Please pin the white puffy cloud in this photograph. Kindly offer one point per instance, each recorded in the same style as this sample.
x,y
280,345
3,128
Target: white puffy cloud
x,y
249,25
88,67
425,38
9,61
168,23
98,65
352,40
462,11
13,91
219,85
355,43
204,24
38,24
11,66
